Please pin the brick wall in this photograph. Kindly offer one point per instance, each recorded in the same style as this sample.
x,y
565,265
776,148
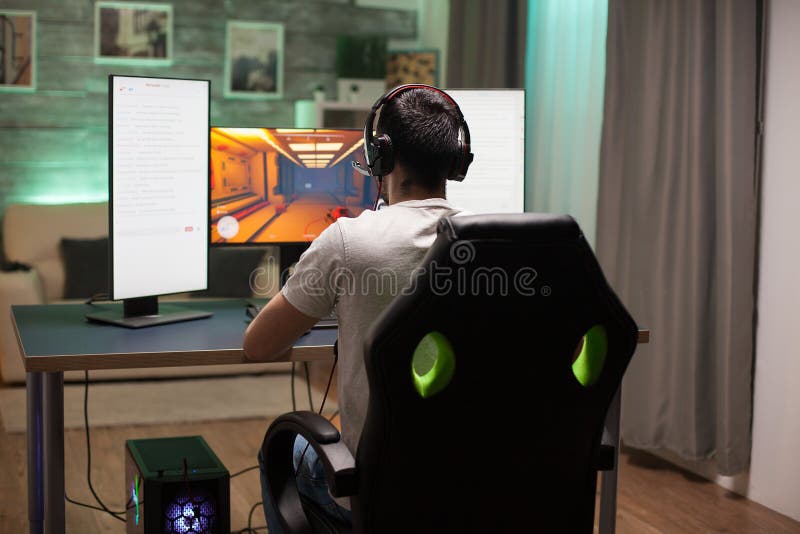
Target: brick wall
x,y
53,142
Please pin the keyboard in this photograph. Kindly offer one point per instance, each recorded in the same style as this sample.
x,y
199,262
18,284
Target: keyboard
x,y
329,321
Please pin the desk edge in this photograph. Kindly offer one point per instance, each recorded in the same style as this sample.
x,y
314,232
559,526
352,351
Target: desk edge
x,y
136,360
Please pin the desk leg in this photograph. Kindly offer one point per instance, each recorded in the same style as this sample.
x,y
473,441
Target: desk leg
x,y
33,387
54,452
608,486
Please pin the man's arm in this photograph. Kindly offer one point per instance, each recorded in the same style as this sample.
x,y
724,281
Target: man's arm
x,y
275,329
306,296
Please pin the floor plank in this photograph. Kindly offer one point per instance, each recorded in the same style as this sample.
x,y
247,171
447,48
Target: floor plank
x,y
654,496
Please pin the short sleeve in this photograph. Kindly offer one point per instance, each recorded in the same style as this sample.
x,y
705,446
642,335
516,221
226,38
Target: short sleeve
x,y
311,289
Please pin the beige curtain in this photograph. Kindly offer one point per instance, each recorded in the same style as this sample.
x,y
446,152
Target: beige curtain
x,y
676,229
486,48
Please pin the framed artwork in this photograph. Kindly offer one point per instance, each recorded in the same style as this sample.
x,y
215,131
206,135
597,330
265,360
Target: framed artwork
x,y
133,33
412,66
253,60
17,50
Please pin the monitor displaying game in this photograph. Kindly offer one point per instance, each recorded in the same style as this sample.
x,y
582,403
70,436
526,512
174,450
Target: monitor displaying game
x,y
284,185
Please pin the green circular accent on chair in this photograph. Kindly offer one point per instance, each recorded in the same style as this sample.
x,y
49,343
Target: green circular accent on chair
x,y
433,364
589,364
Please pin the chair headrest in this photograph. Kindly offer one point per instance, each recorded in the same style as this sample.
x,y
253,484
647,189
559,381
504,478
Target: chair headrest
x,y
524,227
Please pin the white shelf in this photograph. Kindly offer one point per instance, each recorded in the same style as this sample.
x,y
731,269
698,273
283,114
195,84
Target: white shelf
x,y
358,112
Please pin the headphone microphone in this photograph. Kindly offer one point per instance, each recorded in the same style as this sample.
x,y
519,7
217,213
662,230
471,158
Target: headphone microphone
x,y
358,168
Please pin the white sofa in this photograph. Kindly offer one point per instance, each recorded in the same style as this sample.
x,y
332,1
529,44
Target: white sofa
x,y
32,235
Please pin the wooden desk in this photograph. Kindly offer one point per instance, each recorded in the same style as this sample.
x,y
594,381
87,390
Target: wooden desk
x,y
58,338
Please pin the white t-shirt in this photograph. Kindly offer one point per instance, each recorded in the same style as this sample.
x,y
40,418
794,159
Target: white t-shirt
x,y
357,266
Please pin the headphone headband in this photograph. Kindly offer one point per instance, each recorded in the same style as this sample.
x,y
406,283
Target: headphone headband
x,y
378,151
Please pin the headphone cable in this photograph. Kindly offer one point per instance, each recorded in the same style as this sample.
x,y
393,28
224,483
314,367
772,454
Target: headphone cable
x,y
294,398
102,507
308,387
379,179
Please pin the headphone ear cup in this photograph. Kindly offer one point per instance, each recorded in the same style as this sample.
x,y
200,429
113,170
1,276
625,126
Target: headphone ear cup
x,y
457,164
459,160
461,163
385,155
371,154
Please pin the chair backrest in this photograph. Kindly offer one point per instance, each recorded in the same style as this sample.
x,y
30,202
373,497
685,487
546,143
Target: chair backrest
x,y
478,420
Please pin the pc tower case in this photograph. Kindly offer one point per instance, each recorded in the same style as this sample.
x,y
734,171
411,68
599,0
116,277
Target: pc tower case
x,y
175,486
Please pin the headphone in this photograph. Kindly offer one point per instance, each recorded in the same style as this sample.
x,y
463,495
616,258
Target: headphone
x,y
378,151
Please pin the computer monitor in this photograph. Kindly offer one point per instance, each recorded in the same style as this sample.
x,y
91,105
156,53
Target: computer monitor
x,y
158,196
284,185
495,182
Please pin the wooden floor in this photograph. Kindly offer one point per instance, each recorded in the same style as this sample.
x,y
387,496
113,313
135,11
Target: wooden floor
x,y
654,496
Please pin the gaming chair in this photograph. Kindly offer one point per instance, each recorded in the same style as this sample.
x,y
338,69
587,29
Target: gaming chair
x,y
478,419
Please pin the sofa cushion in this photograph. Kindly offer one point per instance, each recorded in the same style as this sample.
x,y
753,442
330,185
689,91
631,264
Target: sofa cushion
x,y
32,234
85,267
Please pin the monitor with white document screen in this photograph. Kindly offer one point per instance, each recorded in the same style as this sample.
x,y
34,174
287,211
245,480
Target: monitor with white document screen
x,y
158,195
495,182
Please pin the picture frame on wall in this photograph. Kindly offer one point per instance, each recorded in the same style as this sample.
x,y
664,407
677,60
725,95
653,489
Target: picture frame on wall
x,y
133,33
18,57
253,60
412,66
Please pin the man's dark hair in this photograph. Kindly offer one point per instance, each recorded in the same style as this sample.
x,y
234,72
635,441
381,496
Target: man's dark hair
x,y
423,126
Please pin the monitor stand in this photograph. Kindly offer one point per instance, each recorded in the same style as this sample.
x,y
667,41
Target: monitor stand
x,y
145,311
289,255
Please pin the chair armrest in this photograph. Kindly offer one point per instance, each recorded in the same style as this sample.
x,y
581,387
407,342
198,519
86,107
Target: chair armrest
x,y
606,458
277,450
318,428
